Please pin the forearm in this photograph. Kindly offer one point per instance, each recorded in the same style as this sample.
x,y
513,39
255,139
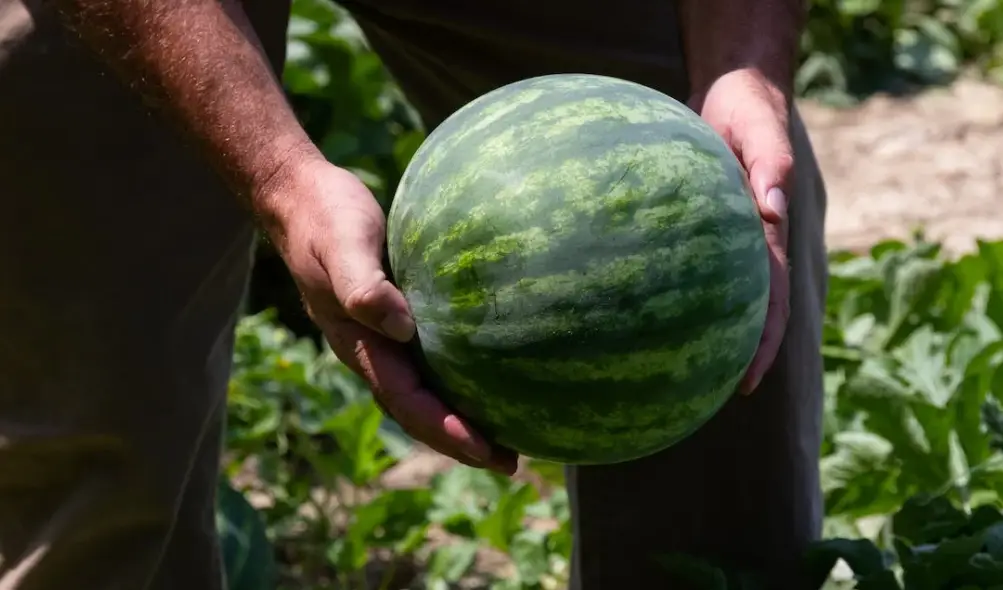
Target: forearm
x,y
724,35
199,63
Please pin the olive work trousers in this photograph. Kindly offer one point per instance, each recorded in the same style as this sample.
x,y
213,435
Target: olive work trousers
x,y
123,260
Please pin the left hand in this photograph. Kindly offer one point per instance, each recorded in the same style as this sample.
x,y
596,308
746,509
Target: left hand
x,y
751,114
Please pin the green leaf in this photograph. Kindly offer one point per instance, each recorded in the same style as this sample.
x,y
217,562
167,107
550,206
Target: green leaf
x,y
923,520
991,256
362,455
395,518
528,550
462,497
506,517
858,477
915,285
858,7
449,563
863,557
247,553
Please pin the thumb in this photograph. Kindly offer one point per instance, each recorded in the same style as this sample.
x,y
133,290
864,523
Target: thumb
x,y
360,284
767,155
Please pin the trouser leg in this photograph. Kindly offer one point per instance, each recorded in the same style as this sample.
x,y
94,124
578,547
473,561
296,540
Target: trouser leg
x,y
123,259
744,489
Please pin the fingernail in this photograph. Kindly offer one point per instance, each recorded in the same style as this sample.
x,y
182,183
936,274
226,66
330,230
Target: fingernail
x,y
398,326
777,200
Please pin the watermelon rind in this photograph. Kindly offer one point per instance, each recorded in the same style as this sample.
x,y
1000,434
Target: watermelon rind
x,y
586,266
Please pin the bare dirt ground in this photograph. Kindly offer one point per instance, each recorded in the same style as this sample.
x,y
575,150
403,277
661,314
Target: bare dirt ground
x,y
892,165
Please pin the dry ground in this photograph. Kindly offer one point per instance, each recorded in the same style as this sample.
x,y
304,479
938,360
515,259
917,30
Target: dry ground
x,y
935,160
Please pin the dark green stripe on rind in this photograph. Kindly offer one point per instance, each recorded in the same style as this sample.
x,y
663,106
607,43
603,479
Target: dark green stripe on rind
x,y
476,146
600,409
586,267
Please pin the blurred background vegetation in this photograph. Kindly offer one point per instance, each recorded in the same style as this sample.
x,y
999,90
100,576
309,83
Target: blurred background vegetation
x,y
912,352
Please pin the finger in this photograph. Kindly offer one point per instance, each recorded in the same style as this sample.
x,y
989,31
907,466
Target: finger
x,y
503,461
387,368
360,284
763,145
775,326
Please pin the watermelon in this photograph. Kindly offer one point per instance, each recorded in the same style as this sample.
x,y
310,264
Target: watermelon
x,y
585,264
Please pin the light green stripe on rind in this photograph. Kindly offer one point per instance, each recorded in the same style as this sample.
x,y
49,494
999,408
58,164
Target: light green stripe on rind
x,y
585,192
522,309
468,133
675,363
586,267
593,274
619,423
521,329
446,172
589,427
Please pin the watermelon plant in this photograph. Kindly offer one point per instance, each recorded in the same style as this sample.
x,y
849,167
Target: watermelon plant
x,y
307,441
912,463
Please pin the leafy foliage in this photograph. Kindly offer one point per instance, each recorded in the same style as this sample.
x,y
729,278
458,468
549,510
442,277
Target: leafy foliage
x,y
308,443
914,384
247,554
346,100
852,48
912,460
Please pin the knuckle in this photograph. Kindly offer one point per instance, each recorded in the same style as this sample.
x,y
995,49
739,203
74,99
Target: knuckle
x,y
785,162
362,299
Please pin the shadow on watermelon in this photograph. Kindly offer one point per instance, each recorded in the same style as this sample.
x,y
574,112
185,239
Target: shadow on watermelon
x,y
248,557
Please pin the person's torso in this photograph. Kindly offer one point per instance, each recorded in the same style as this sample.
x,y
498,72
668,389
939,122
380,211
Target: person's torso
x,y
444,53
95,186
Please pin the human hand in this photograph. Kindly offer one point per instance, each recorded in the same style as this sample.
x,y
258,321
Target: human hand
x,y
751,114
330,231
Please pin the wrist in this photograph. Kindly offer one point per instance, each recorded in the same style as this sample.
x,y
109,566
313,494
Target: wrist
x,y
724,36
285,177
771,68
304,192
751,81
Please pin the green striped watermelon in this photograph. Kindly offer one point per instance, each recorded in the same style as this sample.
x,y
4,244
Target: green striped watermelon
x,y
585,264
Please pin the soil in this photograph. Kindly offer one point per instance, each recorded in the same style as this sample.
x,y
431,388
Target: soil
x,y
933,161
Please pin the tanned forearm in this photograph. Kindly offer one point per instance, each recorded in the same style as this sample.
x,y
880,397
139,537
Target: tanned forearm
x,y
199,63
723,35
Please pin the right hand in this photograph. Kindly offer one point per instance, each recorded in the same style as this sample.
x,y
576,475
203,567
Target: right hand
x,y
330,231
